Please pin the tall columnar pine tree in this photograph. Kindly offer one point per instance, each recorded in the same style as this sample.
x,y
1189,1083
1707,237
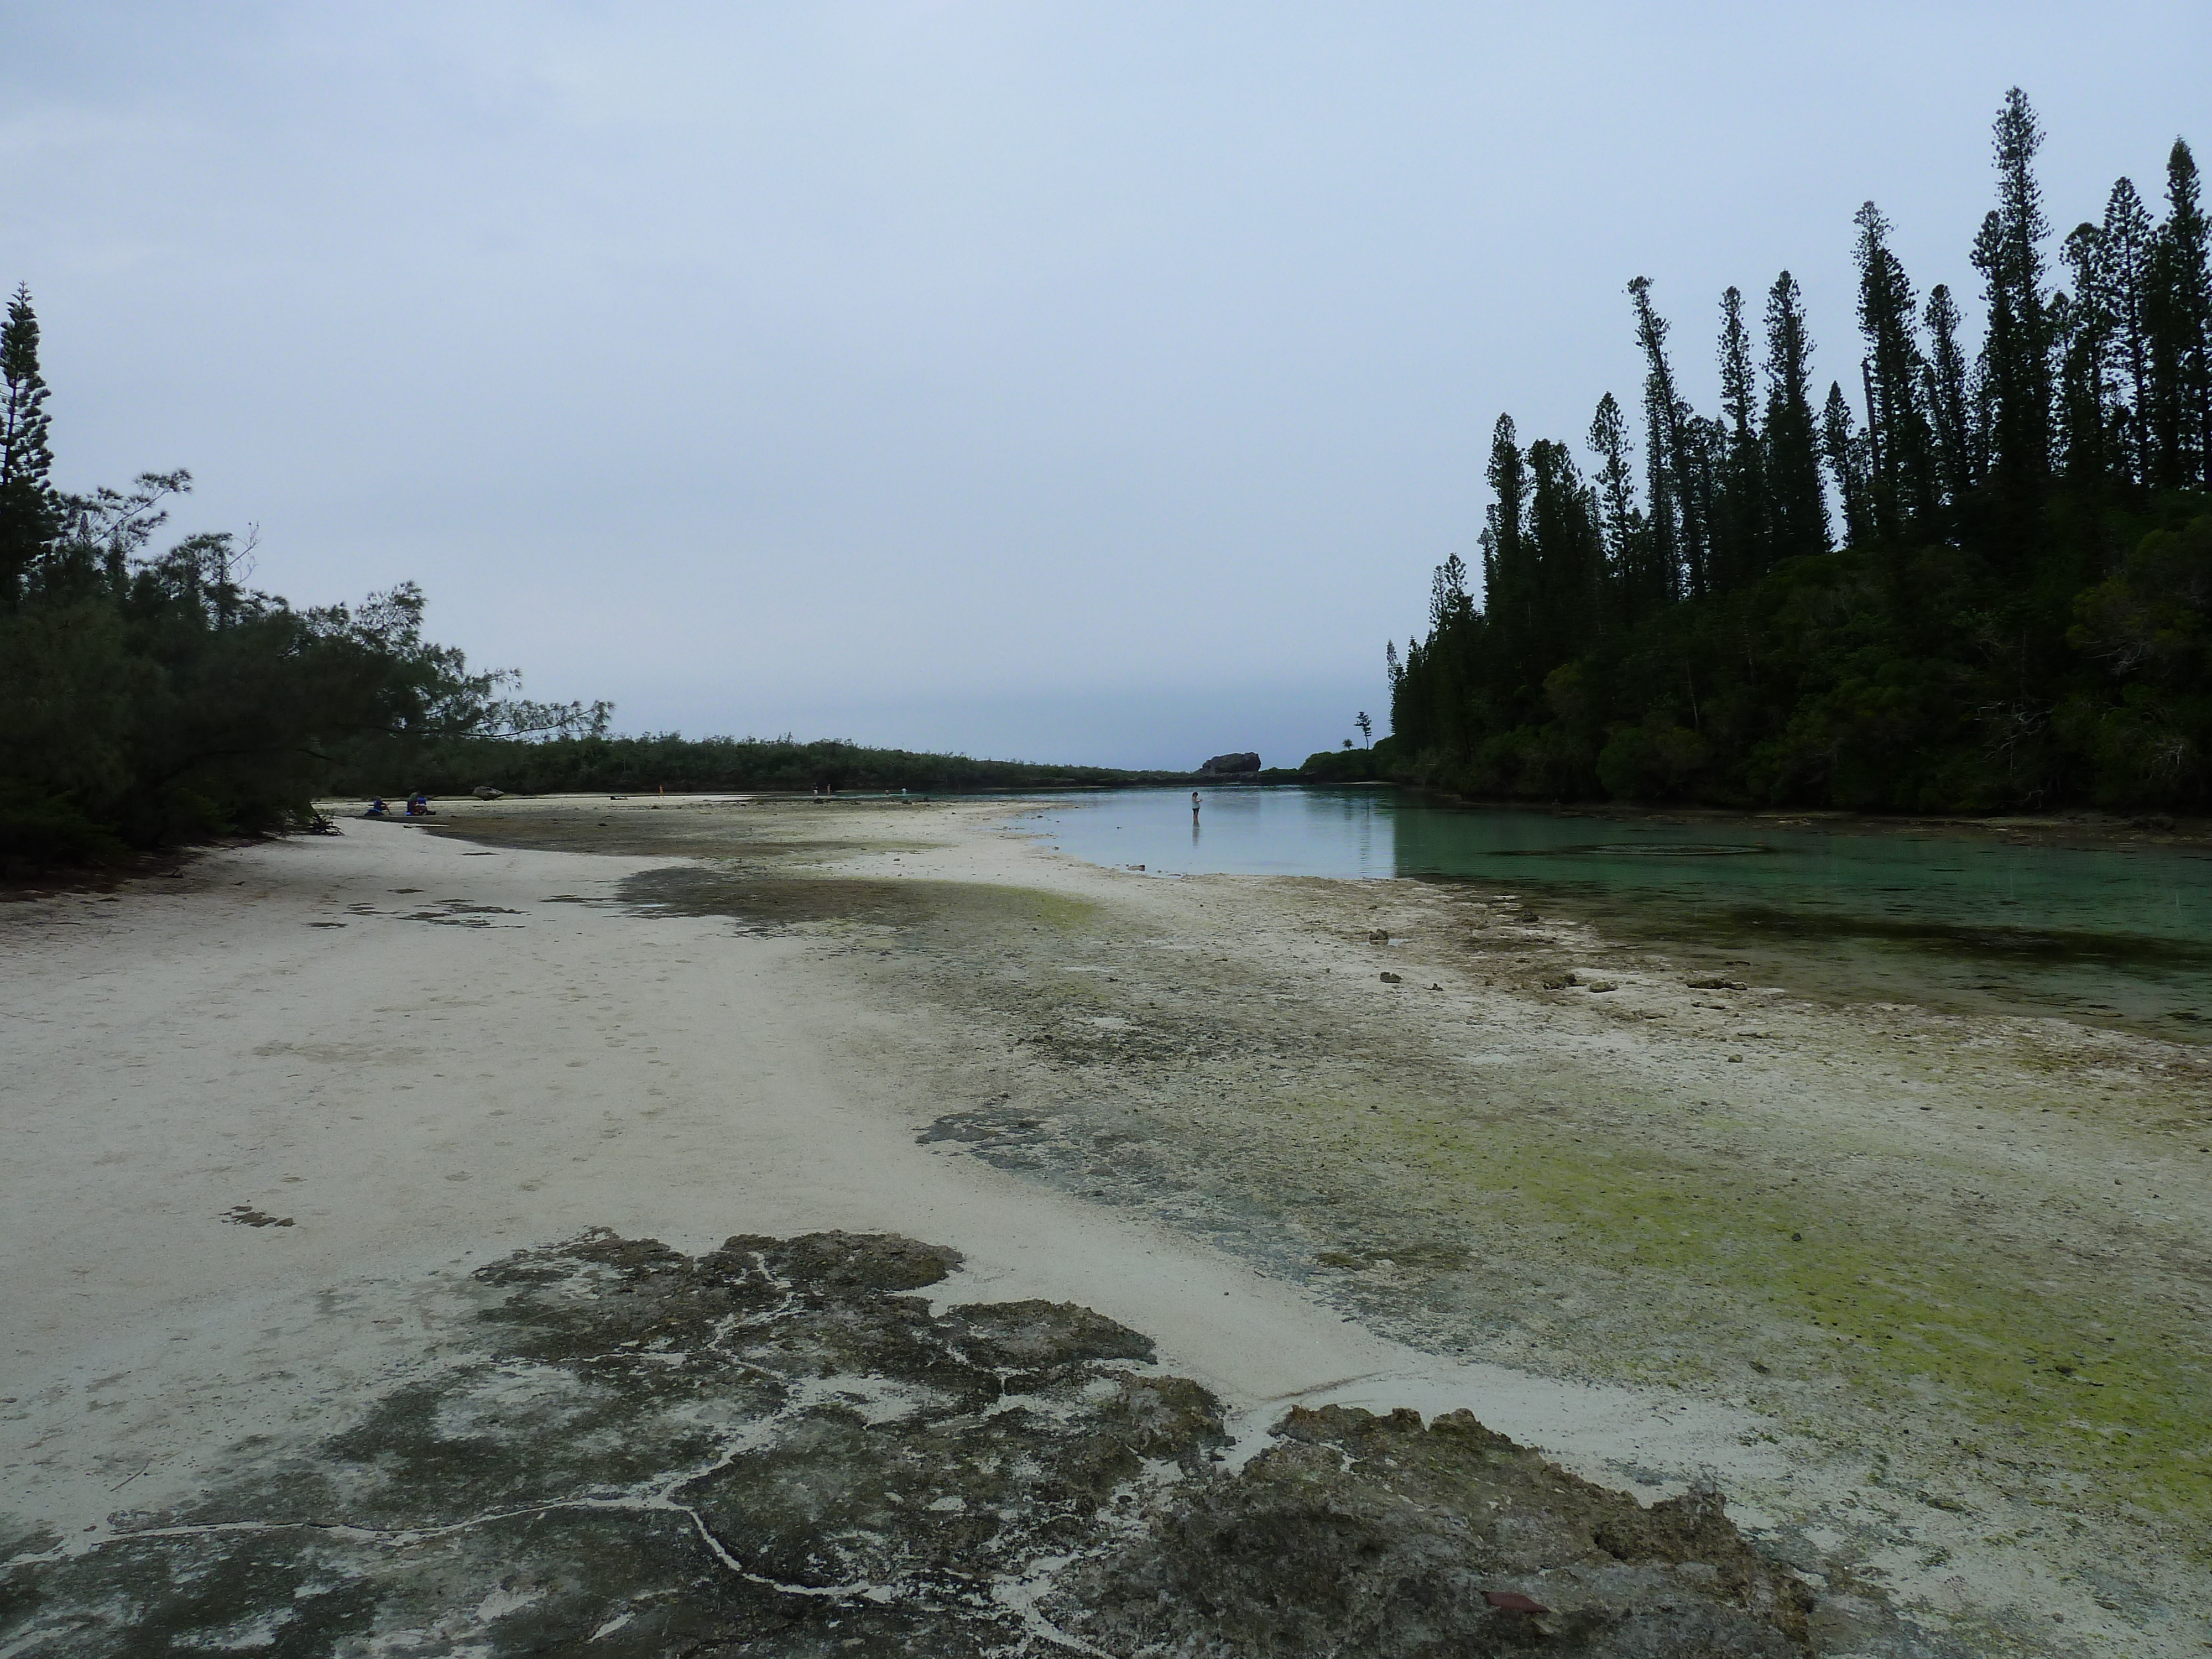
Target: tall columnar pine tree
x,y
25,456
1660,408
1695,445
2192,258
1509,586
1690,452
2091,425
1449,603
2125,241
1740,528
1949,404
1451,650
2016,352
1904,490
1570,559
1638,588
29,514
1797,513
2179,326
1847,448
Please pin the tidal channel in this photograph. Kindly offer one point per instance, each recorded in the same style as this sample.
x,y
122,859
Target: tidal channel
x,y
1964,919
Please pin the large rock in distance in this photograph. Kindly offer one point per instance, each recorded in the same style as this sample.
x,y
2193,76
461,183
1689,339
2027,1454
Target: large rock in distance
x,y
1232,763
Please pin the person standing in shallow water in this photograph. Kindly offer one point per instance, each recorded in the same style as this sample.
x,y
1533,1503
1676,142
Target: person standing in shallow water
x,y
1193,806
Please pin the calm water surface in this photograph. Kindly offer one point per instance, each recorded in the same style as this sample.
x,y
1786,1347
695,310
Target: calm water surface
x,y
1966,922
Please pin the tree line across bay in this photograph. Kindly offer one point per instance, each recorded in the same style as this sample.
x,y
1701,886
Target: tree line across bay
x,y
596,762
1974,575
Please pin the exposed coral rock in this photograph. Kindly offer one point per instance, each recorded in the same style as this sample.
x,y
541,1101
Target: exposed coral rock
x,y
1374,1535
774,1448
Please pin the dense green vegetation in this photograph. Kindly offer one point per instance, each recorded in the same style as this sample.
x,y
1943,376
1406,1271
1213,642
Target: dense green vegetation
x,y
1350,765
148,697
595,761
2018,611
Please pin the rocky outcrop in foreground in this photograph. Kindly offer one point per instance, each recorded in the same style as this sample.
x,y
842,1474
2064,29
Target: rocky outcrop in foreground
x,y
776,1449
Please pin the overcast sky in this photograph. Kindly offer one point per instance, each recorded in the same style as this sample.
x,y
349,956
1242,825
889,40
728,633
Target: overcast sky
x,y
1084,382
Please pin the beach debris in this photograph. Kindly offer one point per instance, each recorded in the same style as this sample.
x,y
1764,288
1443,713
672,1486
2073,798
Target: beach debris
x,y
1379,936
990,1126
1558,981
485,792
1514,1602
1604,985
1393,979
245,1215
1714,983
457,913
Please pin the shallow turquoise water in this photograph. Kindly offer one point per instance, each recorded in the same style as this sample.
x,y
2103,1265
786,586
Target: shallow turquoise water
x,y
2109,934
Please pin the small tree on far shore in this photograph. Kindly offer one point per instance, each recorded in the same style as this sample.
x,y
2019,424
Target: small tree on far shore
x,y
1366,730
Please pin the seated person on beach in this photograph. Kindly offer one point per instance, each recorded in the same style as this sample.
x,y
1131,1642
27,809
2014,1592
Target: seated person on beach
x,y
377,809
418,806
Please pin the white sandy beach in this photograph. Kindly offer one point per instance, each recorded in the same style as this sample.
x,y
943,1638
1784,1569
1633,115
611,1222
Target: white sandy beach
x,y
408,1056
419,1099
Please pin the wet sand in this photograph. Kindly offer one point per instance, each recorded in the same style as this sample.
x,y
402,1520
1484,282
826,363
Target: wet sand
x,y
1926,1294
